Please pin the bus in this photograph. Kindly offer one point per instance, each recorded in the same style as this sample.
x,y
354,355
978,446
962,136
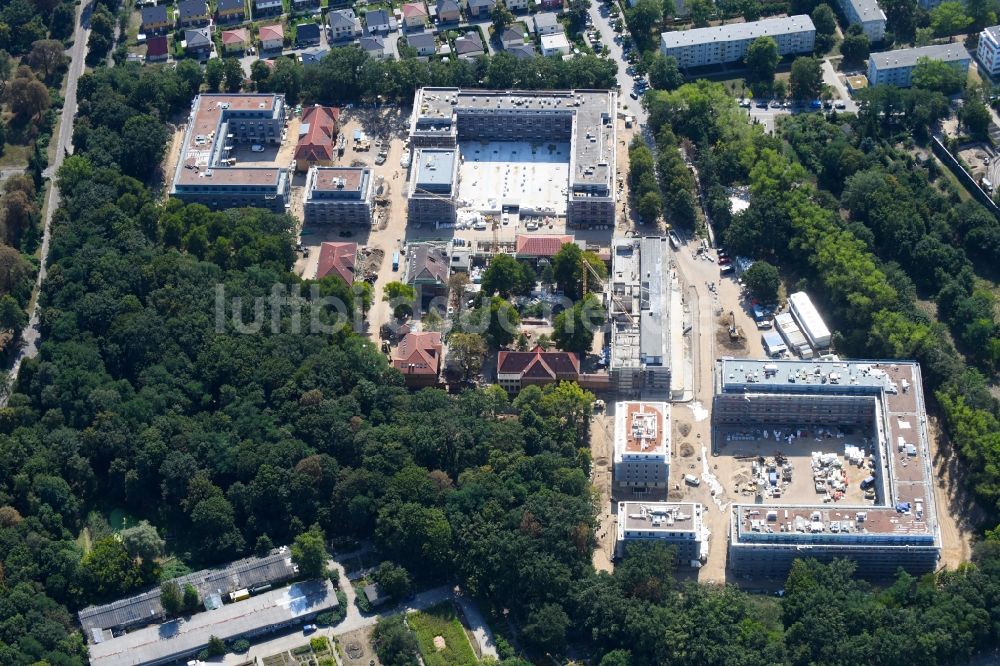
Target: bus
x,y
395,261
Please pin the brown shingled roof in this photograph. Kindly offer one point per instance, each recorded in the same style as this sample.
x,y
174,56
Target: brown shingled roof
x,y
540,246
316,144
539,364
337,259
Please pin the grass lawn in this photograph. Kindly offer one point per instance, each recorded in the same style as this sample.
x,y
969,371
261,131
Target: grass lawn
x,y
442,621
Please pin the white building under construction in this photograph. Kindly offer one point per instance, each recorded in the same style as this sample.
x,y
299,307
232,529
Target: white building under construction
x,y
645,310
679,524
642,448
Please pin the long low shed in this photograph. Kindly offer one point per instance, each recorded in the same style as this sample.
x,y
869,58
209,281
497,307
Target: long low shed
x,y
809,320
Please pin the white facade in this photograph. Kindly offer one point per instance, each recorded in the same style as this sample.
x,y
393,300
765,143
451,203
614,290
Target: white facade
x,y
678,524
556,44
729,43
868,14
895,67
642,447
809,320
988,52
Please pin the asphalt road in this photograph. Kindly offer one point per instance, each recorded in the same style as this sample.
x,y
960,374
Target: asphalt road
x,y
602,23
30,335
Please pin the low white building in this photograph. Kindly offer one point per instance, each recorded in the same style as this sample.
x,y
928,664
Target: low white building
x,y
555,44
896,67
729,43
988,52
868,15
547,24
679,524
642,448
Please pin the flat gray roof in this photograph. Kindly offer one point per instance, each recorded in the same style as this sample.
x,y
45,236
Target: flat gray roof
x,y
994,32
660,516
642,280
733,32
908,57
435,168
868,10
179,638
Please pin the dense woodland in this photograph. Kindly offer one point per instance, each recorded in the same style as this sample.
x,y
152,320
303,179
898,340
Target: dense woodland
x,y
144,401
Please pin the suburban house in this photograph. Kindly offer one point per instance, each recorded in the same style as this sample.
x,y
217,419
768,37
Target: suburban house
x,y
552,4
547,24
307,34
555,44
449,11
428,269
155,20
303,5
235,41
230,11
157,49
523,51
266,7
517,5
271,37
192,13
512,36
198,43
516,370
423,42
479,8
344,24
337,259
313,56
469,45
414,14
418,357
374,46
377,21
317,137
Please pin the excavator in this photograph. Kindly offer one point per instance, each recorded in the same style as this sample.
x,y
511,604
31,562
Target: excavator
x,y
735,332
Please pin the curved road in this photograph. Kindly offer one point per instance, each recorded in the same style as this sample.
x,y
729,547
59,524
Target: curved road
x,y
30,335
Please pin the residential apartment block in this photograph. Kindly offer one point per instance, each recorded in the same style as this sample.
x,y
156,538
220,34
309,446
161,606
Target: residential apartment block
x,y
896,67
338,195
642,448
583,118
868,15
729,43
988,51
677,524
878,404
206,173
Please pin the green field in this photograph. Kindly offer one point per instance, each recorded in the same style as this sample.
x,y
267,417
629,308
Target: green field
x,y
441,621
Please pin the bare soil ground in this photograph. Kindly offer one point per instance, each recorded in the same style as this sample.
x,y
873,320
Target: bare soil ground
x,y
355,648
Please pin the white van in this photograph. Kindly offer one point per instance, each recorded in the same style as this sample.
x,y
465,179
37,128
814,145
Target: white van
x,y
692,480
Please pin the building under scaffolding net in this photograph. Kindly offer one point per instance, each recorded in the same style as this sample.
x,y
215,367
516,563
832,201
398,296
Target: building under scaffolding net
x,y
644,308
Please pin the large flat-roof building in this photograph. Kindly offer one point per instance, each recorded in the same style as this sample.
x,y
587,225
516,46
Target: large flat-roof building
x,y
145,608
182,638
878,404
338,195
678,524
895,68
433,186
868,15
729,42
642,448
645,312
206,173
444,117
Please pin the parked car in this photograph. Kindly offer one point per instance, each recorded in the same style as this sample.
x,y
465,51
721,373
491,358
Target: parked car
x,y
309,628
257,148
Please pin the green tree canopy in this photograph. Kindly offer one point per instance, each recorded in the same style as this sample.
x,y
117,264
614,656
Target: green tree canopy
x,y
806,79
309,552
763,281
762,61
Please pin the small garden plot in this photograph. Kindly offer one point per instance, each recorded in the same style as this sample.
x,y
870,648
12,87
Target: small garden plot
x,y
442,637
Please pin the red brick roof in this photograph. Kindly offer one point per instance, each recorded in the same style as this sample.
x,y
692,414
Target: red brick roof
x,y
271,32
156,46
338,259
538,364
238,36
320,133
418,354
414,9
539,246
